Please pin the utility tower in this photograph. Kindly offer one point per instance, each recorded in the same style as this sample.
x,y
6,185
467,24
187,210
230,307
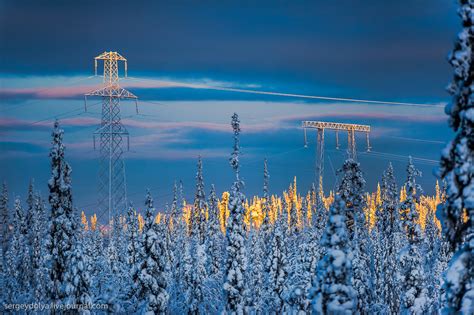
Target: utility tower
x,y
321,126
111,134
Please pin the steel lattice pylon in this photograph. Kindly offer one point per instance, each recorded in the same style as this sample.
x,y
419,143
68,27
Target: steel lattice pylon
x,y
351,145
111,135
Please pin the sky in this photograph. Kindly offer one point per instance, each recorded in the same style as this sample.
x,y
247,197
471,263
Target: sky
x,y
372,50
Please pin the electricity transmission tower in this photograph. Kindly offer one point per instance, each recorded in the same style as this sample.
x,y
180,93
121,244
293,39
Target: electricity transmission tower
x,y
111,134
321,126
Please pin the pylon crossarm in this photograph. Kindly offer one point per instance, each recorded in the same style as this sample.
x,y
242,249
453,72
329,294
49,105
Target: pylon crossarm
x,y
334,126
112,92
110,55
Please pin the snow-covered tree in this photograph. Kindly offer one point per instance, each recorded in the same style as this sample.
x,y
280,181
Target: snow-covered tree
x,y
351,189
197,289
214,238
115,278
152,282
332,291
18,258
352,192
414,298
78,285
61,234
38,232
319,211
174,207
133,239
387,244
4,218
29,211
186,277
198,217
236,262
457,160
256,270
266,225
69,278
277,268
440,267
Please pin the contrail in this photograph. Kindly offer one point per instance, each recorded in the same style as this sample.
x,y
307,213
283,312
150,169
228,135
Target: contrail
x,y
326,98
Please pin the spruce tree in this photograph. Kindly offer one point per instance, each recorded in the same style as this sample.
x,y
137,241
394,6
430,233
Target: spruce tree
x,y
277,268
387,243
152,282
414,298
17,258
214,237
352,192
4,218
78,285
68,273
236,262
38,231
256,270
198,218
332,291
61,234
133,237
457,213
266,224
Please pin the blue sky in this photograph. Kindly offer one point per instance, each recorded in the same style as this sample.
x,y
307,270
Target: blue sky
x,y
383,50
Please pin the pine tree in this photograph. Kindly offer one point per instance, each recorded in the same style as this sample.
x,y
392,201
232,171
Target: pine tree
x,y
236,263
414,298
457,213
332,291
152,282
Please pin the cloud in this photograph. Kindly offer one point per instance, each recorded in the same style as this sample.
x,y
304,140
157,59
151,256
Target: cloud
x,y
56,89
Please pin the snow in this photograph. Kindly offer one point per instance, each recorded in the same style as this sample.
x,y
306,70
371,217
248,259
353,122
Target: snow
x,y
333,262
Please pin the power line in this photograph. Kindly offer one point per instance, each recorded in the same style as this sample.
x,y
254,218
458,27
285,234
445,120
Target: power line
x,y
61,115
418,140
326,98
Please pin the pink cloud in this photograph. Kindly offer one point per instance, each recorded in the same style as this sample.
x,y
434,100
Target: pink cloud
x,y
20,123
218,127
81,89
